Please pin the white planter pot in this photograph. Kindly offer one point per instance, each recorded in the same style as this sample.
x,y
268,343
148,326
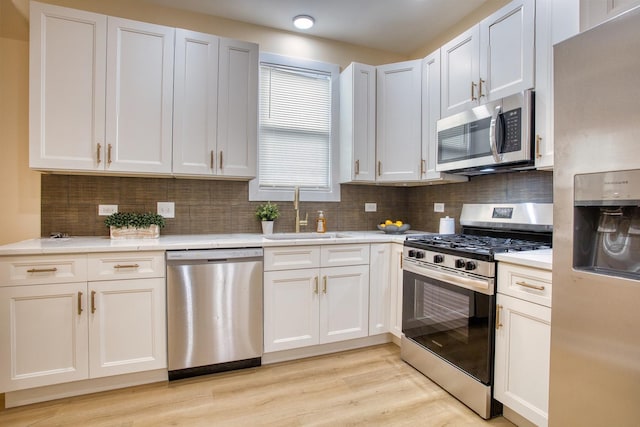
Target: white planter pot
x,y
153,232
267,227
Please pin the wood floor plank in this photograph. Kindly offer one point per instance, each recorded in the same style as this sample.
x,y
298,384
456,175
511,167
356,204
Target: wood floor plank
x,y
370,386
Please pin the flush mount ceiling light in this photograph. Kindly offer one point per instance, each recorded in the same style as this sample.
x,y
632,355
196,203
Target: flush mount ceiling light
x,y
303,22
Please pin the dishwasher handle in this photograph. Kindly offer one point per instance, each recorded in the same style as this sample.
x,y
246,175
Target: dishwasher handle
x,y
214,254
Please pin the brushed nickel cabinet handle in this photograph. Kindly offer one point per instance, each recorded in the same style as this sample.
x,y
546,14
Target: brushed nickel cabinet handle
x,y
98,153
212,159
401,260
357,167
221,159
118,266
42,270
324,284
315,288
538,141
79,303
530,286
423,167
473,94
498,324
480,94
109,147
379,168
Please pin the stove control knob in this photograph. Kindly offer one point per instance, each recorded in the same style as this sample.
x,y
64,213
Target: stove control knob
x,y
412,253
419,254
460,263
438,259
470,265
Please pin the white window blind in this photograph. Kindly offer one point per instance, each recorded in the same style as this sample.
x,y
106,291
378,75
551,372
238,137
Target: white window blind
x,y
295,128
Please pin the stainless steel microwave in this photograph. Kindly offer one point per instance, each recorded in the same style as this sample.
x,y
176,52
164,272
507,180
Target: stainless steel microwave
x,y
493,137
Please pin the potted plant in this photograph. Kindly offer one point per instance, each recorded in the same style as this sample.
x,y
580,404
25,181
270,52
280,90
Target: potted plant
x,y
267,213
131,225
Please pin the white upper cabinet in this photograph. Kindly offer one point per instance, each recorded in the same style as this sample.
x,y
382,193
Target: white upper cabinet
x,y
430,117
491,60
102,97
594,12
139,96
555,22
399,97
195,103
358,123
66,88
237,108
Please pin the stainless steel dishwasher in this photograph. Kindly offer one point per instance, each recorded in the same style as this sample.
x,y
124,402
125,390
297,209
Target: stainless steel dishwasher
x,y
214,310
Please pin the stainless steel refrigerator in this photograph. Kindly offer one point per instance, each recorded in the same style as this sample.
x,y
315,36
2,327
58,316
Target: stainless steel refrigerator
x,y
595,322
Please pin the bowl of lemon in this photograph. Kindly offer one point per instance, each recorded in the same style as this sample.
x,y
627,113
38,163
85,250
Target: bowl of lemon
x,y
393,227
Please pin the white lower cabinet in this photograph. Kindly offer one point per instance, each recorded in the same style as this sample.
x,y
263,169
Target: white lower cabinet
x,y
56,332
379,288
523,337
317,305
395,285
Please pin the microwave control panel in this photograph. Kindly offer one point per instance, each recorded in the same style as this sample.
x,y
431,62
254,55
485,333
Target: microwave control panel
x,y
513,130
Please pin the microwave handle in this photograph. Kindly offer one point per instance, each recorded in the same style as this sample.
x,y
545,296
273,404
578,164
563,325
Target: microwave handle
x,y
493,137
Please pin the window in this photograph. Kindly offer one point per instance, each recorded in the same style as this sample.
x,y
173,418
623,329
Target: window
x,y
297,133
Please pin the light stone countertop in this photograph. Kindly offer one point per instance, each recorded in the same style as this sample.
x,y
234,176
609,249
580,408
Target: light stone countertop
x,y
192,241
541,258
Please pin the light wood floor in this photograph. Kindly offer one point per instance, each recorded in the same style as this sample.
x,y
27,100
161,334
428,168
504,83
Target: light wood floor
x,y
370,386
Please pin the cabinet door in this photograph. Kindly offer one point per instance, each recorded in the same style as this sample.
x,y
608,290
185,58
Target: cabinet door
x,y
395,303
522,358
290,309
594,12
195,103
43,339
127,327
139,96
555,22
358,123
67,88
399,99
460,71
380,288
344,303
237,108
507,50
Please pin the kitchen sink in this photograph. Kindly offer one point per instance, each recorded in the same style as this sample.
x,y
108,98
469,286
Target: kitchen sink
x,y
304,236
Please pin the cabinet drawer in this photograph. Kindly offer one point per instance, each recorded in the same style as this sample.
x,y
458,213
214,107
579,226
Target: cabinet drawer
x,y
45,269
527,283
338,255
136,265
291,257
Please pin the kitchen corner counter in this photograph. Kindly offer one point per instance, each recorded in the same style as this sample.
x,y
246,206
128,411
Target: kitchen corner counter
x,y
178,242
541,258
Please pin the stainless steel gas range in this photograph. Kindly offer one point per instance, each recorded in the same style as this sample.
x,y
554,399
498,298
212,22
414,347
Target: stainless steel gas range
x,y
449,282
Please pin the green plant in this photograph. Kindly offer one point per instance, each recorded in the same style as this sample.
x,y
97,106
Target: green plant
x,y
267,211
134,220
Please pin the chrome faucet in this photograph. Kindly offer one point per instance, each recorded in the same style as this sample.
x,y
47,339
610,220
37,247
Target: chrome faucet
x,y
296,202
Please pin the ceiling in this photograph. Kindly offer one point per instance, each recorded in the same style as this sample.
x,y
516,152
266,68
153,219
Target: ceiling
x,y
399,26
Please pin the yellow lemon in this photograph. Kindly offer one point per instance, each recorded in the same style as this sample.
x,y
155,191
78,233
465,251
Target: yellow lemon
x,y
388,222
399,223
383,225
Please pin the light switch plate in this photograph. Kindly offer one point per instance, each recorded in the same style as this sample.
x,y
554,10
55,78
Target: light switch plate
x,y
438,207
106,210
371,207
167,209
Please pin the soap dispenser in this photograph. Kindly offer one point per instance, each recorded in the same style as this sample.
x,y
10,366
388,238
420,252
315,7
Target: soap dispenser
x,y
321,223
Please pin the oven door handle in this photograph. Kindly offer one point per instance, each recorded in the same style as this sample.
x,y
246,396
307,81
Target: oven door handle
x,y
484,286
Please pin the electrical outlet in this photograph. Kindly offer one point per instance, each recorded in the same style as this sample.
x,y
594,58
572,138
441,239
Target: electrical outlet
x,y
371,207
167,209
438,207
106,210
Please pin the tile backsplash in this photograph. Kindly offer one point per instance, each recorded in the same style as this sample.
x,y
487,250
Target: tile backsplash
x,y
69,203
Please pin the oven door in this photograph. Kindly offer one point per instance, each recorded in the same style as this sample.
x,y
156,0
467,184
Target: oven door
x,y
453,322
